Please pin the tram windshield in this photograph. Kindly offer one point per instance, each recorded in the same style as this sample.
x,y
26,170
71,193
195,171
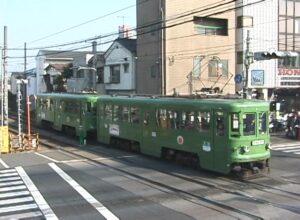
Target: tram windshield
x,y
249,124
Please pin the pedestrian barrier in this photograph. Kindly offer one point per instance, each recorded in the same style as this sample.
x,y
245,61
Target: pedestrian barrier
x,y
24,143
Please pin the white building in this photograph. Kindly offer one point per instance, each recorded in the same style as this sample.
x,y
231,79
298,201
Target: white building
x,y
119,69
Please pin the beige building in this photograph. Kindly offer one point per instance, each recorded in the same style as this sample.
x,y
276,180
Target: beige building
x,y
190,42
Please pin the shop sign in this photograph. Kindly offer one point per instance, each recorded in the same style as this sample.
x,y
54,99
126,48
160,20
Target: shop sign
x,y
257,77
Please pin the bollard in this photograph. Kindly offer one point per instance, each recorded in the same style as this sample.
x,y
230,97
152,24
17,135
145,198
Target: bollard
x,y
82,140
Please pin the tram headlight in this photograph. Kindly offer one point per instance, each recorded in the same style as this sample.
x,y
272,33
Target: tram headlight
x,y
267,146
245,149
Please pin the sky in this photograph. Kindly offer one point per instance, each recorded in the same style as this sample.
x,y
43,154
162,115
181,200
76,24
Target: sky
x,y
44,23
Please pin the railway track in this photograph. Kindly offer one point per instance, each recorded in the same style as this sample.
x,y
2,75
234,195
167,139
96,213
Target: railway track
x,y
208,186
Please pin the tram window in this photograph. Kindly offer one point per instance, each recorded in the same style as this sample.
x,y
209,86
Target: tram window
x,y
203,121
234,122
262,122
189,120
172,119
220,124
134,115
146,118
88,107
161,117
116,113
51,104
249,124
108,112
125,114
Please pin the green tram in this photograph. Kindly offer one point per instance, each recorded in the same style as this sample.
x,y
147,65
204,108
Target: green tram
x,y
71,113
220,135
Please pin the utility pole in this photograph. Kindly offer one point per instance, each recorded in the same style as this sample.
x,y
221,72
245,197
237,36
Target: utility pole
x,y
248,60
5,80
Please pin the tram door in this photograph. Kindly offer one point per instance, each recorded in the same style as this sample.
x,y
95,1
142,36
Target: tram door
x,y
220,140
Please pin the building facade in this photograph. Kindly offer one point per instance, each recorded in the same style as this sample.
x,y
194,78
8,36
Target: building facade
x,y
185,47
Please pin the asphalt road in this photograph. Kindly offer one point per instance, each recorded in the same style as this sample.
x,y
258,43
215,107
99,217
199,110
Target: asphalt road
x,y
54,184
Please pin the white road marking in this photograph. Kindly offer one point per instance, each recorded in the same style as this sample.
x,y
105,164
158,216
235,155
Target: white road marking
x,y
85,194
3,163
8,174
6,189
284,145
18,208
8,171
9,179
290,151
28,215
14,194
48,158
17,200
39,199
286,148
13,183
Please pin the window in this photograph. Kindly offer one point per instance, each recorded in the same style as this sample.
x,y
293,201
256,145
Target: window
x,y
217,68
240,57
249,124
108,112
134,115
126,67
161,117
146,118
220,124
262,123
153,71
115,74
203,121
100,75
116,113
196,66
297,25
244,21
125,114
235,122
211,26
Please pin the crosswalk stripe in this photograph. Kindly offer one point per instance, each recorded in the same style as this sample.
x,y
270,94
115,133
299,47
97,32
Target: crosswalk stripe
x,y
16,200
14,183
290,151
27,215
8,174
9,179
14,194
5,189
8,171
285,148
284,145
18,208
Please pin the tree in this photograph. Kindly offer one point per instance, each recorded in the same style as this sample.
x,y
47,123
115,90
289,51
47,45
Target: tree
x,y
60,81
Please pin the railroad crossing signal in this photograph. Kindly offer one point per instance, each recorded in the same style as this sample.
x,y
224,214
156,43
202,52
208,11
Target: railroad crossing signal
x,y
265,55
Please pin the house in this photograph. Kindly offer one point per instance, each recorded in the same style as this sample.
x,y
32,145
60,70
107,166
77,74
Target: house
x,y
52,72
119,69
88,76
55,57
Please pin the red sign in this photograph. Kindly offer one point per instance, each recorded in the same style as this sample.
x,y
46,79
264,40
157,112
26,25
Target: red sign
x,y
288,72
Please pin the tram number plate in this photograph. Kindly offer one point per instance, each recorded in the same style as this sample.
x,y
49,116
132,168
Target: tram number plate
x,y
258,142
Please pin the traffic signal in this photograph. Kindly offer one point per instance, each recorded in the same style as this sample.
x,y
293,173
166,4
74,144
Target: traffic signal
x,y
274,55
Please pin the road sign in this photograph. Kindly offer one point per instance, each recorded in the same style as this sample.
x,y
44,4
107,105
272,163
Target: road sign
x,y
238,78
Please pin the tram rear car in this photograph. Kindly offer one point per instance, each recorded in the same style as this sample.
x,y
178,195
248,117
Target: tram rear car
x,y
220,135
71,113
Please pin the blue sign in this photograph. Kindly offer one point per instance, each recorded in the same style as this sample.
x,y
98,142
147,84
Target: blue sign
x,y
257,77
238,78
